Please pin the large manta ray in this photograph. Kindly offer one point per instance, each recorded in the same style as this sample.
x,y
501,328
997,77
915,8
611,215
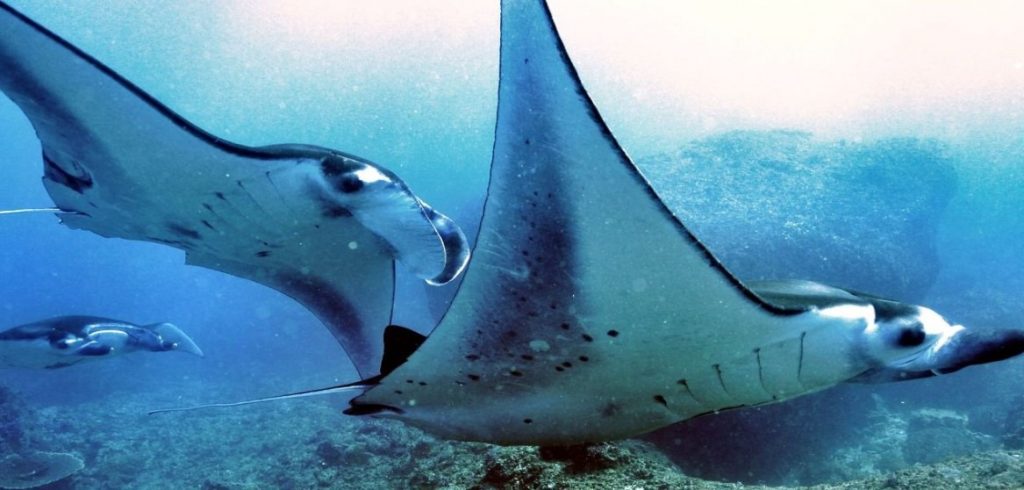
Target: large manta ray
x,y
319,225
588,313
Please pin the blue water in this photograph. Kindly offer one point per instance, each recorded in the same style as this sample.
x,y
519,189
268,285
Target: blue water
x,y
411,88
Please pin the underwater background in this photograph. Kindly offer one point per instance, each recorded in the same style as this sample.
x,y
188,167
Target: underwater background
x,y
880,149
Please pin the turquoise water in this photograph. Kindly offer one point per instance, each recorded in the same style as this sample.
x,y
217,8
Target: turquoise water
x,y
412,87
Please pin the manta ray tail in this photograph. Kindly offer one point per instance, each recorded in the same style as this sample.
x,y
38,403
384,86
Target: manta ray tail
x,y
399,344
357,386
29,210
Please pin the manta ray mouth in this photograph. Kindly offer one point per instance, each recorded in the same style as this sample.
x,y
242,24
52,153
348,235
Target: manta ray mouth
x,y
370,409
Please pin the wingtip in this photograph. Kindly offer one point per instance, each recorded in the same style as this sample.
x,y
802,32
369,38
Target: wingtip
x,y
179,339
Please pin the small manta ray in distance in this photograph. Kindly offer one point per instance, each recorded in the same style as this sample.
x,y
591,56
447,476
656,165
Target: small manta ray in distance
x,y
588,313
69,340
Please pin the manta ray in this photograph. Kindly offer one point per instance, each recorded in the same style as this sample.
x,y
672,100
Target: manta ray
x,y
320,225
588,311
66,341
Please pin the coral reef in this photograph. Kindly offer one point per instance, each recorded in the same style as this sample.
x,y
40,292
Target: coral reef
x,y
1013,425
20,466
789,444
992,470
309,444
937,435
33,469
895,440
12,435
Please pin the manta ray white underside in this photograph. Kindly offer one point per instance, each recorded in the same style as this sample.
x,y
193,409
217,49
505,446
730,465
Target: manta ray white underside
x,y
319,225
588,313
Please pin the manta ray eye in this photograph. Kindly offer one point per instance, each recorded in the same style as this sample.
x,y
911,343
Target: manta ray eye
x,y
911,336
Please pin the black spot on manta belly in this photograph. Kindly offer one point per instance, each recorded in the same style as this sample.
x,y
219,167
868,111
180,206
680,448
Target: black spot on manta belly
x,y
59,365
370,409
263,253
610,410
661,399
329,209
174,243
183,231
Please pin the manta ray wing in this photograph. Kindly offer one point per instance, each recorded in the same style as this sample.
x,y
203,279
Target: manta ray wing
x,y
588,312
316,224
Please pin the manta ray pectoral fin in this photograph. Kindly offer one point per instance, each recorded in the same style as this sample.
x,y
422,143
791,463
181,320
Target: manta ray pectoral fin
x,y
316,224
588,311
32,331
175,339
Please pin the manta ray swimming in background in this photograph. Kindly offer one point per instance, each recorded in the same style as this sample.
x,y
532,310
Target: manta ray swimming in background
x,y
588,312
66,341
